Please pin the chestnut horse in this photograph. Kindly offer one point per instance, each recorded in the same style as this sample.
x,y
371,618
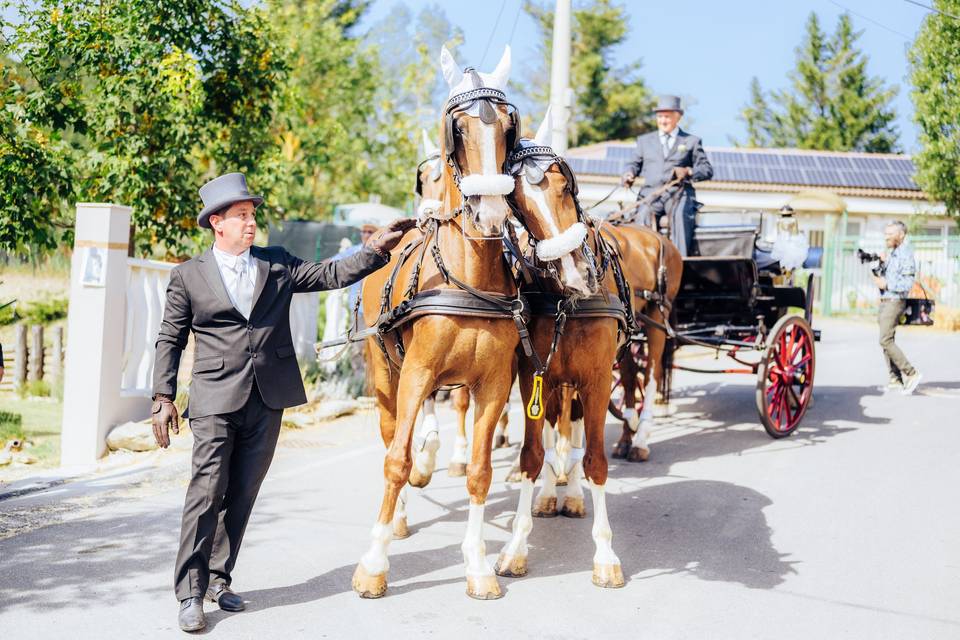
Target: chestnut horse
x,y
652,266
583,359
429,189
465,255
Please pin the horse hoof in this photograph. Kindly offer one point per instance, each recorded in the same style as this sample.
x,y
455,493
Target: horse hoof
x,y
608,576
400,530
573,508
511,566
368,586
562,480
619,451
417,479
514,477
483,587
457,469
545,508
638,455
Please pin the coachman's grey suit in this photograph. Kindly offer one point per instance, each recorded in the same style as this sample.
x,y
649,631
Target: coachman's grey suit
x,y
656,170
244,375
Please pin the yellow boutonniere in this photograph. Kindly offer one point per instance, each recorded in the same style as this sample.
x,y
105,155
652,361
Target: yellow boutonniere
x,y
682,148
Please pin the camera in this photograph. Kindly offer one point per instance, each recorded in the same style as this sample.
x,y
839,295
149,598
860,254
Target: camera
x,y
877,266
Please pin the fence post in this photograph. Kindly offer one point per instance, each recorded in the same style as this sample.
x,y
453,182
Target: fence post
x,y
56,356
35,368
20,363
95,322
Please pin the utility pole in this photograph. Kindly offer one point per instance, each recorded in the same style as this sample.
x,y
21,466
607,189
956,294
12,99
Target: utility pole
x,y
561,97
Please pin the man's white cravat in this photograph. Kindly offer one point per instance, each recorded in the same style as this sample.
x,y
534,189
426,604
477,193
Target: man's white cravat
x,y
238,275
244,287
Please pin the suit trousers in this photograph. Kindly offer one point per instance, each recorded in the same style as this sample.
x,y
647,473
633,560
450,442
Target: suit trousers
x,y
889,318
231,455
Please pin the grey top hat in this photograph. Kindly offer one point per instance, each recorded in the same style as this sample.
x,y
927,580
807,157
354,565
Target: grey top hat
x,y
668,103
222,192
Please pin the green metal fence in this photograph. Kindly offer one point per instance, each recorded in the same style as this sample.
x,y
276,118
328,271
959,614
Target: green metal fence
x,y
847,285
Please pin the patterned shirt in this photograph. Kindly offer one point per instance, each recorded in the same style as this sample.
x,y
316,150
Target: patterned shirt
x,y
900,273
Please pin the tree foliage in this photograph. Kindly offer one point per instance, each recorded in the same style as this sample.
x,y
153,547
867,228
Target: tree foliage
x,y
610,103
832,104
132,102
935,62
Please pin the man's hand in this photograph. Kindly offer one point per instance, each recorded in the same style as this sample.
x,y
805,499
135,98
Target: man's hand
x,y
388,237
165,418
627,180
679,173
880,281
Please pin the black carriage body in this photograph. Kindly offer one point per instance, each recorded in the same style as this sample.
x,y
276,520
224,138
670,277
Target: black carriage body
x,y
722,294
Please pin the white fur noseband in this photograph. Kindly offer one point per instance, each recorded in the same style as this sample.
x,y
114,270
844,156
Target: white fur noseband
x,y
480,185
559,246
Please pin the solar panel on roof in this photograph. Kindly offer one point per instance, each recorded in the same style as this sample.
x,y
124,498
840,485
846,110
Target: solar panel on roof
x,y
834,162
790,160
821,177
730,157
902,165
787,176
895,181
860,179
762,159
620,152
864,163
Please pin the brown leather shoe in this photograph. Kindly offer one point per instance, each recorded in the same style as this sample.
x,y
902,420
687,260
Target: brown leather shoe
x,y
225,598
191,616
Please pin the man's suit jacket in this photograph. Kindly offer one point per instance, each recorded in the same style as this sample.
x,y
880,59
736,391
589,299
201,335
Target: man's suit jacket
x,y
649,163
233,353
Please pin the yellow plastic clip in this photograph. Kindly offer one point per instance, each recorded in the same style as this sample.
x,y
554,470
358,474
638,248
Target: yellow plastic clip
x,y
535,406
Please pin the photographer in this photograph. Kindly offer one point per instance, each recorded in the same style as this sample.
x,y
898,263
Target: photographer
x,y
895,278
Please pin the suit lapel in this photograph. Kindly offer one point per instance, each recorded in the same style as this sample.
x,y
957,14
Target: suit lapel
x,y
677,142
211,273
263,268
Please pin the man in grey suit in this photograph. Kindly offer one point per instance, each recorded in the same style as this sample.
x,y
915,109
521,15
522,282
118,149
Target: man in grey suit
x,y
235,297
663,156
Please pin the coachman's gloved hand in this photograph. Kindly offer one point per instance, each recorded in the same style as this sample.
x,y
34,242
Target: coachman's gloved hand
x,y
627,179
165,418
388,237
682,172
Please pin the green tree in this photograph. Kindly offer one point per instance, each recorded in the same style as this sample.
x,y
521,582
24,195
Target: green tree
x,y
935,61
832,104
610,103
133,102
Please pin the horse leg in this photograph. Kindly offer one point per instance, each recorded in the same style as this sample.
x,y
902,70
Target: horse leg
x,y
490,397
513,559
500,433
573,506
546,502
561,464
458,462
428,438
370,577
400,529
628,377
656,340
606,566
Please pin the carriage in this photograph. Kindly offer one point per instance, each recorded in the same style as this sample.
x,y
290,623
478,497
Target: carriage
x,y
736,299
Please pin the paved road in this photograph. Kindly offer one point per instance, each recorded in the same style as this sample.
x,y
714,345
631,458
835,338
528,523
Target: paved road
x,y
848,529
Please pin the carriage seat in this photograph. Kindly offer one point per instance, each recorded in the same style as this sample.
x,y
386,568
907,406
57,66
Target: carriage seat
x,y
728,241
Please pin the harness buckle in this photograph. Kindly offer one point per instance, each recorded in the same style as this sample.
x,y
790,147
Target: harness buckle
x,y
535,405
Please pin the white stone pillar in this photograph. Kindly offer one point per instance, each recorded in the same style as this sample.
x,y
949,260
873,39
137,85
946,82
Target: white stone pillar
x,y
95,330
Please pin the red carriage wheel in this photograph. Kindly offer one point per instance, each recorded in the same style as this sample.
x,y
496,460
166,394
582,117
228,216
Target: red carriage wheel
x,y
785,376
617,393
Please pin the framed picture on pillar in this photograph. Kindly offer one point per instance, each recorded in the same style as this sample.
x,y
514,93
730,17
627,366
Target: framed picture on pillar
x,y
94,271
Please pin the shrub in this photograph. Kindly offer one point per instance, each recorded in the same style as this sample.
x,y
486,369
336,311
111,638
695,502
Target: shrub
x,y
35,388
11,427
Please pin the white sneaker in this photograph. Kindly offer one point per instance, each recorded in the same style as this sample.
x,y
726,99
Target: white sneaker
x,y
910,383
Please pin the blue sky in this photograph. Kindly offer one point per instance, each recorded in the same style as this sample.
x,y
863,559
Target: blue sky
x,y
708,50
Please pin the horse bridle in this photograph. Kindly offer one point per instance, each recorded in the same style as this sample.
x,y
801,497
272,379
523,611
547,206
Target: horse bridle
x,y
487,97
434,175
521,163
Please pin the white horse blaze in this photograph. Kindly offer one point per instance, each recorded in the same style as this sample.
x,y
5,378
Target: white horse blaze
x,y
559,245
